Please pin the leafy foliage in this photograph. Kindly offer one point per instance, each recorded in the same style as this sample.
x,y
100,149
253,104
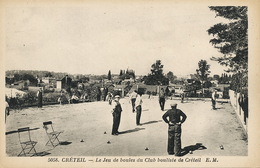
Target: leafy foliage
x,y
171,76
156,77
31,78
126,74
231,39
239,82
109,75
203,70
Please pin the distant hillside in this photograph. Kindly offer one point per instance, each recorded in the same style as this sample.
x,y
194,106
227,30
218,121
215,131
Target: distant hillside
x,y
35,73
57,75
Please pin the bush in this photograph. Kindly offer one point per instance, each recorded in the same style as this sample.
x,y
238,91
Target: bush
x,y
154,93
50,90
51,97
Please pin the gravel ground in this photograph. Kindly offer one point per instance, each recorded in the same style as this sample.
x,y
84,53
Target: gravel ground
x,y
89,121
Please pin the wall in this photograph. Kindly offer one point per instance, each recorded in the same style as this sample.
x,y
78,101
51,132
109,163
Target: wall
x,y
59,83
33,88
240,113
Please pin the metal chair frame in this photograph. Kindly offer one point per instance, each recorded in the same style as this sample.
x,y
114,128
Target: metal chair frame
x,y
52,134
28,145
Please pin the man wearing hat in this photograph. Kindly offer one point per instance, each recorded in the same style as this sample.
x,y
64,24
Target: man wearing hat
x,y
138,107
213,99
39,95
175,118
162,98
116,112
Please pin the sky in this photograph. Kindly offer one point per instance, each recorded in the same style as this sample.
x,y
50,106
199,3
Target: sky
x,y
94,38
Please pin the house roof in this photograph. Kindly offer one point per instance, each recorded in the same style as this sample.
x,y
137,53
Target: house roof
x,y
59,79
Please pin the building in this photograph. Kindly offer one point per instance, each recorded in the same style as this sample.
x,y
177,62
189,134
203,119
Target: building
x,y
23,84
49,80
64,83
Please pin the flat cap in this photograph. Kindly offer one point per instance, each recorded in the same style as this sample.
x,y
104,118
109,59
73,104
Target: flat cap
x,y
117,96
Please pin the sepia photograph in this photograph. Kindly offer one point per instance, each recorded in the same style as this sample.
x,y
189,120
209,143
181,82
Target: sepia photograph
x,y
128,83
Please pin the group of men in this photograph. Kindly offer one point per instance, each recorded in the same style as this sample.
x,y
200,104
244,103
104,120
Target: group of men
x,y
136,101
173,117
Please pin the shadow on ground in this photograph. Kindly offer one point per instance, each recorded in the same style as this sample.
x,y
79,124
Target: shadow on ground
x,y
132,130
151,122
15,131
65,143
192,148
44,153
186,101
217,108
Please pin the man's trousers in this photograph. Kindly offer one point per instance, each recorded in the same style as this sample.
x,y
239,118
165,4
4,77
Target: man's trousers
x,y
213,103
116,122
162,102
174,140
138,114
133,103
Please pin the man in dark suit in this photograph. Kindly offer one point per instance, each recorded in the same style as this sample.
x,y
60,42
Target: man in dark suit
x,y
176,118
39,95
116,112
162,98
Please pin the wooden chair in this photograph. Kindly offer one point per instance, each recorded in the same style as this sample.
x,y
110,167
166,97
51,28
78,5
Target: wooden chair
x,y
28,146
52,134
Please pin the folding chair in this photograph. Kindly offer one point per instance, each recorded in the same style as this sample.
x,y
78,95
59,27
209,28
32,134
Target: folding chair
x,y
27,144
52,135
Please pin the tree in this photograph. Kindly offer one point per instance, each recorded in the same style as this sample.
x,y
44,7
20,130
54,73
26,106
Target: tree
x,y
83,79
207,84
31,78
216,77
109,75
203,73
231,39
126,74
171,77
156,77
133,75
48,74
203,70
157,68
17,77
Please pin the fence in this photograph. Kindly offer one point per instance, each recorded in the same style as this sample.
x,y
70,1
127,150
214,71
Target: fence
x,y
240,113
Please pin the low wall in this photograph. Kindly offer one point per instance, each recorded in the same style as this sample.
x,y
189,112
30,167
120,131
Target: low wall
x,y
34,88
240,113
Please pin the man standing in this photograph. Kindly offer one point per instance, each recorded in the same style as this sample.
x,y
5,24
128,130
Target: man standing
x,y
39,95
162,99
116,112
98,94
138,104
7,110
109,98
105,93
176,118
182,95
213,99
132,97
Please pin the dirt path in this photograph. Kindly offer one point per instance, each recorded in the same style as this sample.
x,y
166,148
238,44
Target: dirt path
x,y
89,121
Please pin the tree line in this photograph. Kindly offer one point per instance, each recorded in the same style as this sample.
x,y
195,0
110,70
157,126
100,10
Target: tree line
x,y
231,40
